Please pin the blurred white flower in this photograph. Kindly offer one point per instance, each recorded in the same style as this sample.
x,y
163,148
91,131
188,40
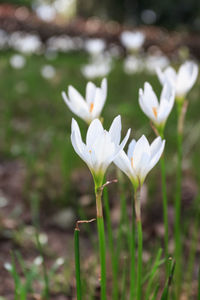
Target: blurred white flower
x,y
25,43
59,261
17,61
153,62
63,43
140,159
89,108
95,46
3,39
99,67
157,112
45,12
8,266
48,71
38,260
132,41
183,80
133,64
101,146
43,238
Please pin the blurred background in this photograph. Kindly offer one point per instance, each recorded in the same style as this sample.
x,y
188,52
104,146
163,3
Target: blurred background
x,y
45,46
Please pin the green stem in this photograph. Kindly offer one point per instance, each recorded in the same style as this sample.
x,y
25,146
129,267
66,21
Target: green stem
x,y
102,244
140,243
178,202
77,263
111,246
132,273
165,210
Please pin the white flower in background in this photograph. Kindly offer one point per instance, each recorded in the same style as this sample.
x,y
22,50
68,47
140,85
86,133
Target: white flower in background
x,y
133,64
132,41
48,72
17,61
154,62
45,12
183,80
63,43
95,46
89,108
157,112
101,146
140,159
25,43
3,39
99,67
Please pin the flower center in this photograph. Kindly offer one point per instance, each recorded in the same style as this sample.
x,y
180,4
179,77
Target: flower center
x,y
90,151
91,107
155,111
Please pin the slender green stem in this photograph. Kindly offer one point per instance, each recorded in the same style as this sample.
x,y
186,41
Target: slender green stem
x,y
111,246
193,248
140,243
77,263
102,244
198,285
132,273
178,201
165,210
139,267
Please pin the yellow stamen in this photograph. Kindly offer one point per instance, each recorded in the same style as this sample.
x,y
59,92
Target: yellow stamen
x,y
132,162
91,107
155,111
90,151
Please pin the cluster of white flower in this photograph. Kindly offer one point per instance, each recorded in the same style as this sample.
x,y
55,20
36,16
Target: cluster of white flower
x,y
103,147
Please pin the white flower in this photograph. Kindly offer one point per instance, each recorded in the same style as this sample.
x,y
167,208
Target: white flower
x,y
157,112
99,67
48,72
132,40
25,43
154,62
133,64
140,159
101,146
183,80
90,108
95,46
17,61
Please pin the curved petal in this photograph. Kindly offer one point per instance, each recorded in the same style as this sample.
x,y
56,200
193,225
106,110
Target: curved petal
x,y
90,92
131,148
124,164
115,130
95,130
142,146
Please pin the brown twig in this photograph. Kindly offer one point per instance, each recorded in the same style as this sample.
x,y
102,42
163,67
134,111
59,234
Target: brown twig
x,y
83,221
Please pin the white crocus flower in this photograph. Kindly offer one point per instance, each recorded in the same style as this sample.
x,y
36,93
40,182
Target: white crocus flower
x,y
90,108
101,146
132,41
157,112
95,46
140,159
183,80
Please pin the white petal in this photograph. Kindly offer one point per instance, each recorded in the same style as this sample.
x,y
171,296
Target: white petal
x,y
131,149
104,87
124,164
98,103
141,146
157,156
115,130
95,130
90,92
